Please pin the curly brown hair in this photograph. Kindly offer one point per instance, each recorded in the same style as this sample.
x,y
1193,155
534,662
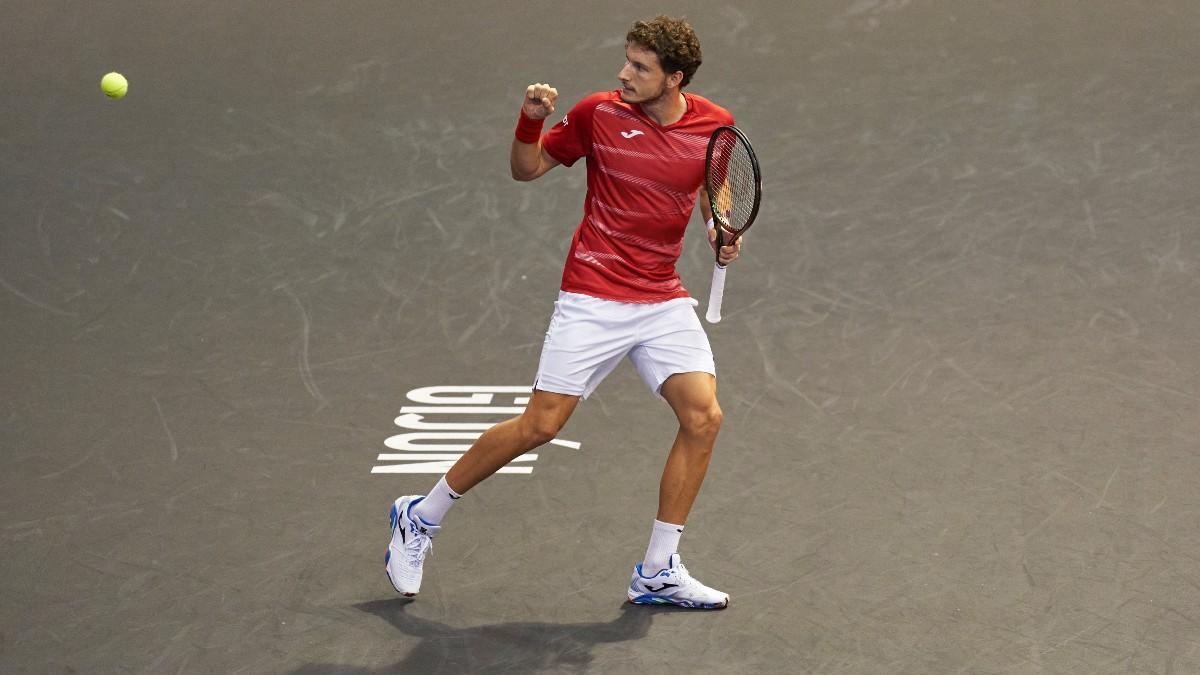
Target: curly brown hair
x,y
673,40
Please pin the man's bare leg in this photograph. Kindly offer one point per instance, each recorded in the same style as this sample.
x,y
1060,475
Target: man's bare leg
x,y
661,578
693,397
544,416
415,521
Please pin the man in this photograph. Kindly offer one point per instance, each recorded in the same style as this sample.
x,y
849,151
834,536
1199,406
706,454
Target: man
x,y
620,296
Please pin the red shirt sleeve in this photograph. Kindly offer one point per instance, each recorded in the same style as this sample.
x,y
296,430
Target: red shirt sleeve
x,y
571,138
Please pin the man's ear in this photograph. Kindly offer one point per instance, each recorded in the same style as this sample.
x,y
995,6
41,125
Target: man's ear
x,y
675,78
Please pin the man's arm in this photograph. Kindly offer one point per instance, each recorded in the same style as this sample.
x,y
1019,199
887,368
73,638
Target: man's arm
x,y
528,159
705,204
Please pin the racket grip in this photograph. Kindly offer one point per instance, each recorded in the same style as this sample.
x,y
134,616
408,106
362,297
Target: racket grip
x,y
715,294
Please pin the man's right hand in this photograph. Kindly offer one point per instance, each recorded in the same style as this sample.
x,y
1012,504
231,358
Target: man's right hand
x,y
539,101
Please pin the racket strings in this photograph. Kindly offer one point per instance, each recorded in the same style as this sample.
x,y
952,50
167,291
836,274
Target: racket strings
x,y
733,174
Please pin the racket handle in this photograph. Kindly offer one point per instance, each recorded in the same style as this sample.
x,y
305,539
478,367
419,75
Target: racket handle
x,y
715,294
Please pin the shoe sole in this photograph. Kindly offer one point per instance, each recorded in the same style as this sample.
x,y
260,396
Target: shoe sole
x,y
393,522
686,604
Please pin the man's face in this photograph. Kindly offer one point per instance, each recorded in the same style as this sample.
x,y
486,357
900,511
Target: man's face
x,y
642,77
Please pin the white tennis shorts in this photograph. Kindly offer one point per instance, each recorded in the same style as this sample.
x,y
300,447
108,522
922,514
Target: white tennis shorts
x,y
589,336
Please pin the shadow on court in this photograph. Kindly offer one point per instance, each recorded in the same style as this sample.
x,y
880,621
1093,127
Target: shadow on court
x,y
504,647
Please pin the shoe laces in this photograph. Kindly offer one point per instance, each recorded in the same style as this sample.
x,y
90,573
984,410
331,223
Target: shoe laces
x,y
690,584
419,546
685,579
425,549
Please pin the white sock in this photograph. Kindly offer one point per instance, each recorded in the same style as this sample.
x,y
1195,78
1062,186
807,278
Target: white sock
x,y
664,540
434,506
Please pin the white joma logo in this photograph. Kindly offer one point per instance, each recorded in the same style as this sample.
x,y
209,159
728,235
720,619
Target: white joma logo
x,y
631,134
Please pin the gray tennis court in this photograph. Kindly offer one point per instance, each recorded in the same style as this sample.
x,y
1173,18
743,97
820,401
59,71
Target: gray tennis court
x,y
247,306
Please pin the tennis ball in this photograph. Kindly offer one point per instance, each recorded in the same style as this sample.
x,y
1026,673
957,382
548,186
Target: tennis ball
x,y
114,85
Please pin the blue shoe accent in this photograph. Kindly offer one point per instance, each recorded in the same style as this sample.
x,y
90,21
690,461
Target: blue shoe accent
x,y
661,573
408,511
393,519
650,600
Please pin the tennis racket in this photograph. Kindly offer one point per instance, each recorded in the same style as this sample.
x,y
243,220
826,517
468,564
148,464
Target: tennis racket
x,y
734,186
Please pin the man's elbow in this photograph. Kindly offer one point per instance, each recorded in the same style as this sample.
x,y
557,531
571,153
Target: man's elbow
x,y
523,175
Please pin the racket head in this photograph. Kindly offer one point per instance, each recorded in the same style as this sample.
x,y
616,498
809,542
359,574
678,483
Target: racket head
x,y
733,181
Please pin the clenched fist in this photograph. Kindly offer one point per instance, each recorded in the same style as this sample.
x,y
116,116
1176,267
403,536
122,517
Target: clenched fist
x,y
539,101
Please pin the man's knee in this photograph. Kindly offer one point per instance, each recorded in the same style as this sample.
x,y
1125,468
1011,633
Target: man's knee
x,y
545,417
540,429
702,421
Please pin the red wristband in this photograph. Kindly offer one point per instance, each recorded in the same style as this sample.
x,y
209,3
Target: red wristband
x,y
529,130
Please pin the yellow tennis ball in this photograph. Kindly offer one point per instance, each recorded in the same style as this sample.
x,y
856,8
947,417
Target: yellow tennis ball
x,y
114,85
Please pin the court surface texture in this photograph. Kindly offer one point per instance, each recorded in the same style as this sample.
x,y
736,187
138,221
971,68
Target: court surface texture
x,y
959,363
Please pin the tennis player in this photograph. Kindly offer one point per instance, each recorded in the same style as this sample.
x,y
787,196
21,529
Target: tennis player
x,y
620,297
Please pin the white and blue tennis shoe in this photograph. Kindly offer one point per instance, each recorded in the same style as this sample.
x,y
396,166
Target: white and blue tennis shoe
x,y
412,540
674,586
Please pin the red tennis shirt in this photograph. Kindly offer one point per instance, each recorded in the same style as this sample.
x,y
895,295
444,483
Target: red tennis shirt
x,y
642,182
